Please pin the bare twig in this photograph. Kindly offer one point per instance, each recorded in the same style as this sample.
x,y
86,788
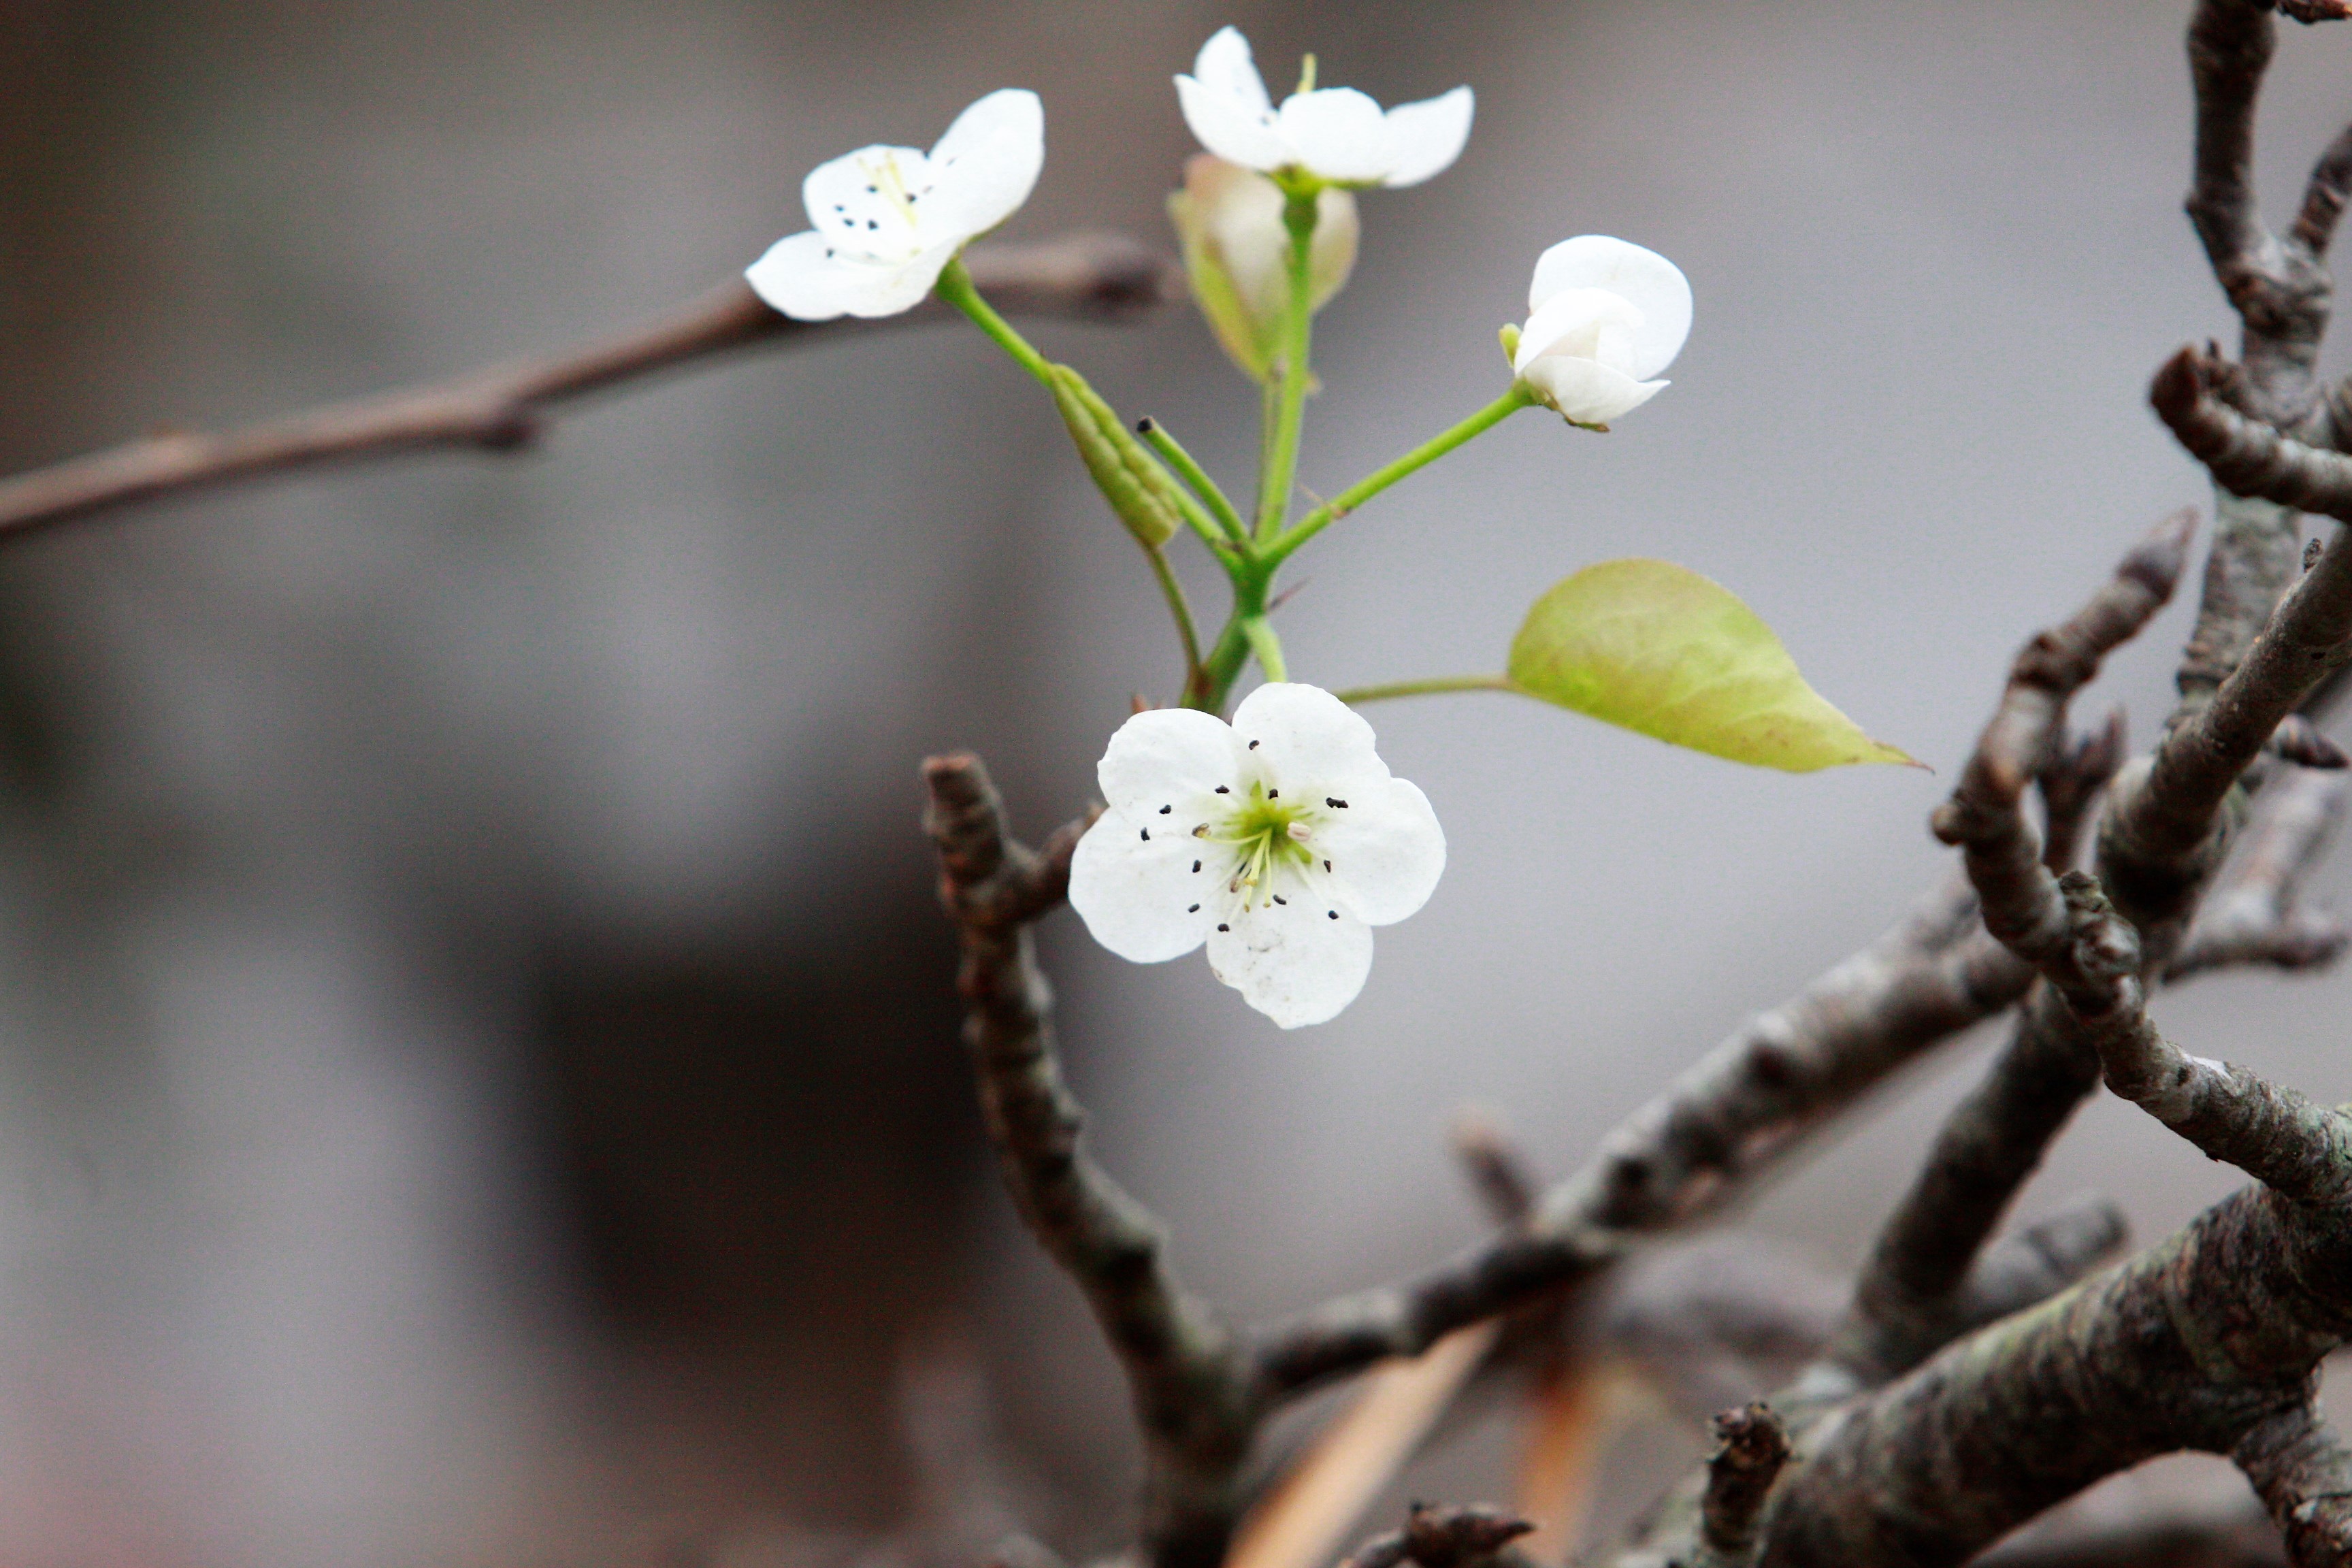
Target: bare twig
x,y
2166,828
1779,1076
1183,1370
2252,916
1085,276
1751,1444
1446,1538
2300,1470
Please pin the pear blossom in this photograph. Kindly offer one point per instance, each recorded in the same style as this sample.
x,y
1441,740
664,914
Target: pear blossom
x,y
1335,133
889,219
1230,221
1280,840
1604,317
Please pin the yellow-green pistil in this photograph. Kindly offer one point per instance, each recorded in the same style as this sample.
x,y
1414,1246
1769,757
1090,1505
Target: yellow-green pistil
x,y
1266,832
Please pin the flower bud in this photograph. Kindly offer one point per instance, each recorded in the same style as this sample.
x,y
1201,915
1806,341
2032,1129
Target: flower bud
x,y
1229,220
1138,488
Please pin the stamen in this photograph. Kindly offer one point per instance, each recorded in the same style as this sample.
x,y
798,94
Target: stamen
x,y
1225,928
1300,831
1191,909
1196,866
1327,865
1274,794
1166,809
1222,790
1283,901
1147,836
1333,913
1253,746
1341,805
1201,831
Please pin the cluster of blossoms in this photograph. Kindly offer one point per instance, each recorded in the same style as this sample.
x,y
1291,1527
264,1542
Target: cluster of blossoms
x,y
1280,839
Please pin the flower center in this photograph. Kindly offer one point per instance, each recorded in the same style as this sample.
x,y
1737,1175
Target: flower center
x,y
1269,835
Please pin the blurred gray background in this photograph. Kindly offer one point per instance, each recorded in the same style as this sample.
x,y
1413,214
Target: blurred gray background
x,y
480,1081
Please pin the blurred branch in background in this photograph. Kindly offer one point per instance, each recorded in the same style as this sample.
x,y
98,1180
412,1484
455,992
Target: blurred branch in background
x,y
1079,277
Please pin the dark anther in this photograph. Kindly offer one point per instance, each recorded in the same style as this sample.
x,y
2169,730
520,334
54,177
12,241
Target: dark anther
x,y
1253,746
1145,426
1339,804
1191,909
1196,865
1166,809
1225,928
1274,794
874,223
1222,790
1327,865
1280,899
1201,831
1333,913
1147,836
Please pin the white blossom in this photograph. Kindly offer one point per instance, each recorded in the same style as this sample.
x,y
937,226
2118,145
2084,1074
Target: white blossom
x,y
1333,133
888,219
1604,317
1280,840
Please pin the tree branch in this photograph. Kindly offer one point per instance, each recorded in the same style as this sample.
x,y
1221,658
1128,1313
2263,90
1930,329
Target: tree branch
x,y
1183,1370
1752,1446
2165,830
1779,1077
2300,1469
2252,916
1090,277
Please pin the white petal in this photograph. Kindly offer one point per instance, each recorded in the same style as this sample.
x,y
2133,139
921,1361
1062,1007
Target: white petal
x,y
1385,848
1305,734
854,201
1655,286
1589,323
1586,391
799,277
1137,891
1169,756
1428,136
1294,963
987,164
1224,67
1232,131
1340,133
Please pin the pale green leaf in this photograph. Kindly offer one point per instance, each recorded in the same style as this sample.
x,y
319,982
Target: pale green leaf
x,y
1665,651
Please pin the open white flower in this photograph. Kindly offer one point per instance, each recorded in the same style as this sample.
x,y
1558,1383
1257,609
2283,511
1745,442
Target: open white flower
x,y
1334,134
1279,840
888,219
1604,318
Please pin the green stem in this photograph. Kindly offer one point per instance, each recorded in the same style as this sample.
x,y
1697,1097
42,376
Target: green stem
x,y
1196,477
955,286
1229,657
1299,211
1379,480
1267,646
1180,609
1428,687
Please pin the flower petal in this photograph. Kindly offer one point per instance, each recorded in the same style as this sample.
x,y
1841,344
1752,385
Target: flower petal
x,y
1385,848
1428,135
987,164
1294,963
848,202
1232,131
1169,756
1224,66
1137,891
1589,323
1304,733
1338,134
1587,391
1655,286
799,278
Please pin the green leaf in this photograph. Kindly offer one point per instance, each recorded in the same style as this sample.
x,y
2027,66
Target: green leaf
x,y
1129,477
1665,651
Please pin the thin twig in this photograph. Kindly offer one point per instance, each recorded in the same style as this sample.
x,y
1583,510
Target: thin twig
x,y
1751,1444
1091,277
1183,1370
2302,1473
2253,915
